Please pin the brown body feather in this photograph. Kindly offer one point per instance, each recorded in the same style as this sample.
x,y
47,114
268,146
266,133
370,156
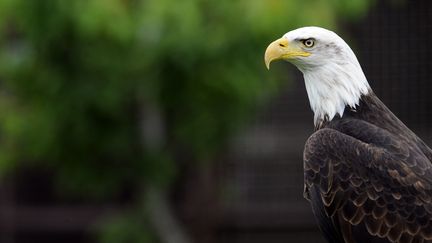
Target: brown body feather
x,y
369,178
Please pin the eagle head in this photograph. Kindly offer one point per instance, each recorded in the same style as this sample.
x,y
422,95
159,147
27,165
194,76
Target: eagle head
x,y
333,76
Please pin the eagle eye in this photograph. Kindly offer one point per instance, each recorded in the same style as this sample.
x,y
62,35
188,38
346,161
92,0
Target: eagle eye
x,y
308,42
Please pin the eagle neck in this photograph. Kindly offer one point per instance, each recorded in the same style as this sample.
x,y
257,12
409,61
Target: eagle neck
x,y
333,87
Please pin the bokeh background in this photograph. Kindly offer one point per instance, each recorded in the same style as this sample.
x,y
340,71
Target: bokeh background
x,y
155,121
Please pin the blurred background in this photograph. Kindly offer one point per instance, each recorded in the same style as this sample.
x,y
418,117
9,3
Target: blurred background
x,y
155,121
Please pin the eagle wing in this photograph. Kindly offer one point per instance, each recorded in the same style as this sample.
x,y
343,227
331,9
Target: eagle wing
x,y
367,185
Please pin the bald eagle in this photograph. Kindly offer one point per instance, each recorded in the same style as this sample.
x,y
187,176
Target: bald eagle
x,y
367,176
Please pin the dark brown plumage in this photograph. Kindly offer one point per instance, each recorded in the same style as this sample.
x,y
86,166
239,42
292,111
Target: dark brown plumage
x,y
369,178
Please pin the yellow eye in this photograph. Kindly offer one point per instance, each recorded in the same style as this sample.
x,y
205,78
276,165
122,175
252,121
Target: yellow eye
x,y
308,43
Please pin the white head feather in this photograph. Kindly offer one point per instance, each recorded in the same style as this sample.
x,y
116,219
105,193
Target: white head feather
x,y
333,76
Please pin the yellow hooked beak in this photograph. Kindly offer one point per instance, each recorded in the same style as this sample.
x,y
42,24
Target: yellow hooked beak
x,y
282,49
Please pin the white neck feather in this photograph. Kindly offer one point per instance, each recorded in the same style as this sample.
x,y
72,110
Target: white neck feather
x,y
334,86
333,76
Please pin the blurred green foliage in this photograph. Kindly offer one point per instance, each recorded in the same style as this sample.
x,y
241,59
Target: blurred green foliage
x,y
128,228
75,76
